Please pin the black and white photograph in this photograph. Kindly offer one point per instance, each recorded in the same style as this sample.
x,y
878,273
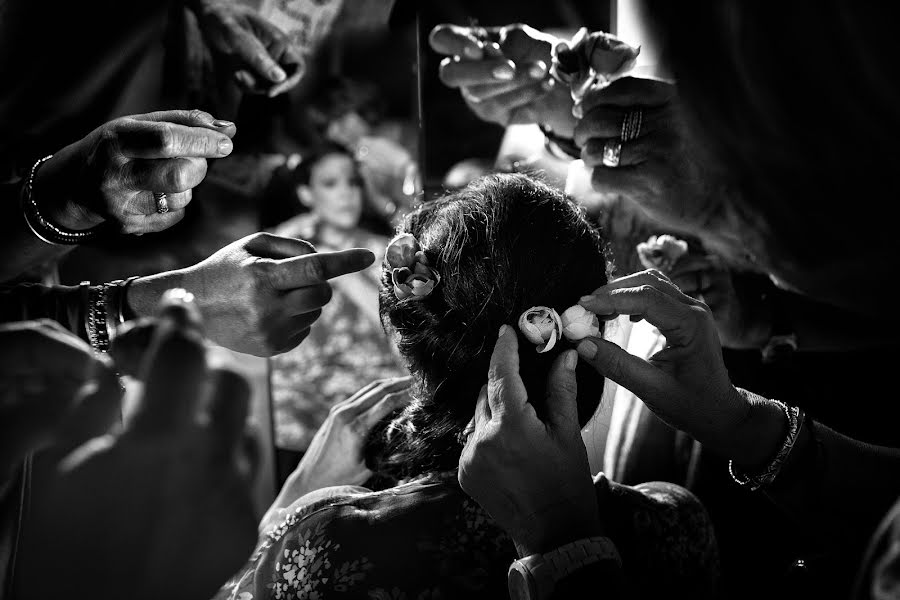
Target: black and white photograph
x,y
456,299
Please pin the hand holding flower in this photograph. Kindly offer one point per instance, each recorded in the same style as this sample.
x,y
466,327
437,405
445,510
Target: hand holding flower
x,y
579,323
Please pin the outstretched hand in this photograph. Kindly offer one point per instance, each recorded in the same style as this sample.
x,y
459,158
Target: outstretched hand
x,y
111,174
162,508
260,294
531,475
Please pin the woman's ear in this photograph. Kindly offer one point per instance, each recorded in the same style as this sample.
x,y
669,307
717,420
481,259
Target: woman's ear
x,y
305,195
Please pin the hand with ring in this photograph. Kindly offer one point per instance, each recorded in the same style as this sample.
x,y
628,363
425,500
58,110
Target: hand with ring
x,y
633,136
135,172
503,74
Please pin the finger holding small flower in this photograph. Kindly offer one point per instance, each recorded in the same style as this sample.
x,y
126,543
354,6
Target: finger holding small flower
x,y
579,323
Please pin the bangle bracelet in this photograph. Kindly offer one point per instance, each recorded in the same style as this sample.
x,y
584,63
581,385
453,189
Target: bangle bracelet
x,y
96,321
566,146
121,298
105,312
794,417
42,228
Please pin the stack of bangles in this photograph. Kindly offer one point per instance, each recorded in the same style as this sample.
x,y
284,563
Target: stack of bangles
x,y
43,228
767,475
105,311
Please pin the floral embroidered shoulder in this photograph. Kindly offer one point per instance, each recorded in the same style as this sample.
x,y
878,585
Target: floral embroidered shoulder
x,y
427,539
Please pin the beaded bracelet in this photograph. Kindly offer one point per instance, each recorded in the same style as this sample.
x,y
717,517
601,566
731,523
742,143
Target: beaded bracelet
x,y
42,228
795,420
105,312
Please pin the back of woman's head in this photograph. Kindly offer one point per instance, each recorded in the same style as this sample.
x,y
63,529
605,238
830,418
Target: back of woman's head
x,y
502,244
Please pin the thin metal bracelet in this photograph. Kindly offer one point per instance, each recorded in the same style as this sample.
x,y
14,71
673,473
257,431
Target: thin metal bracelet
x,y
40,226
98,326
764,478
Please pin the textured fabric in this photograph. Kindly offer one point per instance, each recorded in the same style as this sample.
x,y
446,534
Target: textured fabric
x,y
346,349
427,539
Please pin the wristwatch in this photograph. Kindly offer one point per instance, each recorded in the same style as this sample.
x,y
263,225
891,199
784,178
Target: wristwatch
x,y
534,577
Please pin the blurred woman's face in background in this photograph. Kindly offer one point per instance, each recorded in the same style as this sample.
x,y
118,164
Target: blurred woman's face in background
x,y
334,193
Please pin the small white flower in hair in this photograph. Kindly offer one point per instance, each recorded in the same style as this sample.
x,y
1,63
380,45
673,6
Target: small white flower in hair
x,y
411,274
542,326
579,323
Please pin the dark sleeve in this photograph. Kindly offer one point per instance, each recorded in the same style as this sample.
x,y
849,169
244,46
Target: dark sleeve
x,y
837,486
602,579
28,301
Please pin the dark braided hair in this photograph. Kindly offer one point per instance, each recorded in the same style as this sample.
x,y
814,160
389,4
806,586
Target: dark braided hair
x,y
502,244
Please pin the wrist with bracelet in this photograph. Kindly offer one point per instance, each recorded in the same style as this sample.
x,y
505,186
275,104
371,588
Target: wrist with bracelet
x,y
105,311
44,229
767,475
560,74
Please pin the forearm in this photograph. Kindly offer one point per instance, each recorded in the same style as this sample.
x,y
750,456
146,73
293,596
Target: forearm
x,y
144,293
63,304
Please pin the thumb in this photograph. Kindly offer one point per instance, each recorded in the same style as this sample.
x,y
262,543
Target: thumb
x,y
562,391
646,381
266,245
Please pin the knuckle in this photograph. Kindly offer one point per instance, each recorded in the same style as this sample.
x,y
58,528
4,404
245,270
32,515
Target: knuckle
x,y
200,116
313,269
178,177
166,139
265,270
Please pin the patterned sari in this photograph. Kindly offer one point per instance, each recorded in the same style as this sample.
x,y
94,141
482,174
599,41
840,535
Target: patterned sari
x,y
426,539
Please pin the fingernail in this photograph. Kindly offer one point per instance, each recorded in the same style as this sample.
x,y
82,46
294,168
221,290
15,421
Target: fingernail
x,y
577,110
225,146
474,52
571,359
277,74
548,84
221,123
503,329
587,349
537,70
585,299
504,72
